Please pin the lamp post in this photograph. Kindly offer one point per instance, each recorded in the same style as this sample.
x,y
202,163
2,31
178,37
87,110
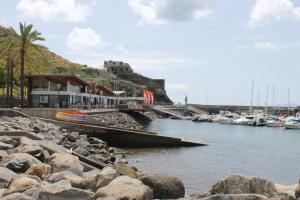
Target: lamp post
x,y
58,88
90,98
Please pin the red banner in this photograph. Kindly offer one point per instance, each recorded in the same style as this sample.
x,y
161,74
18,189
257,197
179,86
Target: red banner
x,y
148,98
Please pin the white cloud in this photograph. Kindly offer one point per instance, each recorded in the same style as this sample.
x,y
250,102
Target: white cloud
x,y
85,38
266,45
267,11
54,10
160,12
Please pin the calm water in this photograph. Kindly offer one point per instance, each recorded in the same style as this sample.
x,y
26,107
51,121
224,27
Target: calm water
x,y
271,153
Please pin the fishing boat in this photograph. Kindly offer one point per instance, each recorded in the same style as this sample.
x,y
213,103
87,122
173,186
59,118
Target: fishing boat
x,y
71,116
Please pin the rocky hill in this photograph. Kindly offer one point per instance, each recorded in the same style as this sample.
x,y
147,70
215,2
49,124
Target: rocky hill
x,y
54,60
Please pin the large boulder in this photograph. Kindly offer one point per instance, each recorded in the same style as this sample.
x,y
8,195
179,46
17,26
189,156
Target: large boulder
x,y
286,190
17,196
63,190
125,187
39,170
65,161
19,162
75,180
22,183
237,184
164,187
6,176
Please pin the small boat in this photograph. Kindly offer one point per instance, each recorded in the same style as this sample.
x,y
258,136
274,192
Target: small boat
x,y
202,118
71,116
245,120
274,122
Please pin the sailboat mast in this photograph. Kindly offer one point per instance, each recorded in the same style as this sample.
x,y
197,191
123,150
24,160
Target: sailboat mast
x,y
252,95
288,108
266,103
273,87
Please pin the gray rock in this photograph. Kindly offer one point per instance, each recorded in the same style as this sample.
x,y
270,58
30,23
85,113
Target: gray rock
x,y
65,161
7,140
63,190
91,178
3,154
26,141
19,162
22,183
237,197
125,187
106,176
6,176
30,149
4,146
17,196
237,184
164,187
75,180
297,191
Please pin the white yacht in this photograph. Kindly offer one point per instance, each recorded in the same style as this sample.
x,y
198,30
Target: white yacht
x,y
274,122
225,118
292,123
245,120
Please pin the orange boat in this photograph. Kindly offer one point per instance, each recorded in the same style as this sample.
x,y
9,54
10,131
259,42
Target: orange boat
x,y
71,116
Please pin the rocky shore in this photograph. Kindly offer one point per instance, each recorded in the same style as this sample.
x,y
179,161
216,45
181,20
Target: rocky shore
x,y
30,171
121,120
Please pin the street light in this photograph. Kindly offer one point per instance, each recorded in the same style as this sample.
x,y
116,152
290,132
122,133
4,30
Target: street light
x,y
58,88
90,98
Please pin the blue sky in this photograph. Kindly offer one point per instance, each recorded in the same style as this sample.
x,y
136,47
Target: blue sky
x,y
210,50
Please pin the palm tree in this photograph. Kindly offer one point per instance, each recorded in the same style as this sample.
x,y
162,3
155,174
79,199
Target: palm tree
x,y
23,49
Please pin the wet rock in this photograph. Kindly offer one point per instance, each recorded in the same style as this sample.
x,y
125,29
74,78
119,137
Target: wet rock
x,y
19,162
125,169
17,196
22,183
75,180
63,190
65,162
125,187
164,187
6,176
237,184
39,170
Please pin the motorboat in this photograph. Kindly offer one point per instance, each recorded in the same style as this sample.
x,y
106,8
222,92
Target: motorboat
x,y
274,122
202,118
245,120
225,118
292,123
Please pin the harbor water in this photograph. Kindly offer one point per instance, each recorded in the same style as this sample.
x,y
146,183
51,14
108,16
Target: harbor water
x,y
271,153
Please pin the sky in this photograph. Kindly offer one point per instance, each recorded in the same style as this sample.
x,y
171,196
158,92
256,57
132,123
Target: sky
x,y
209,50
